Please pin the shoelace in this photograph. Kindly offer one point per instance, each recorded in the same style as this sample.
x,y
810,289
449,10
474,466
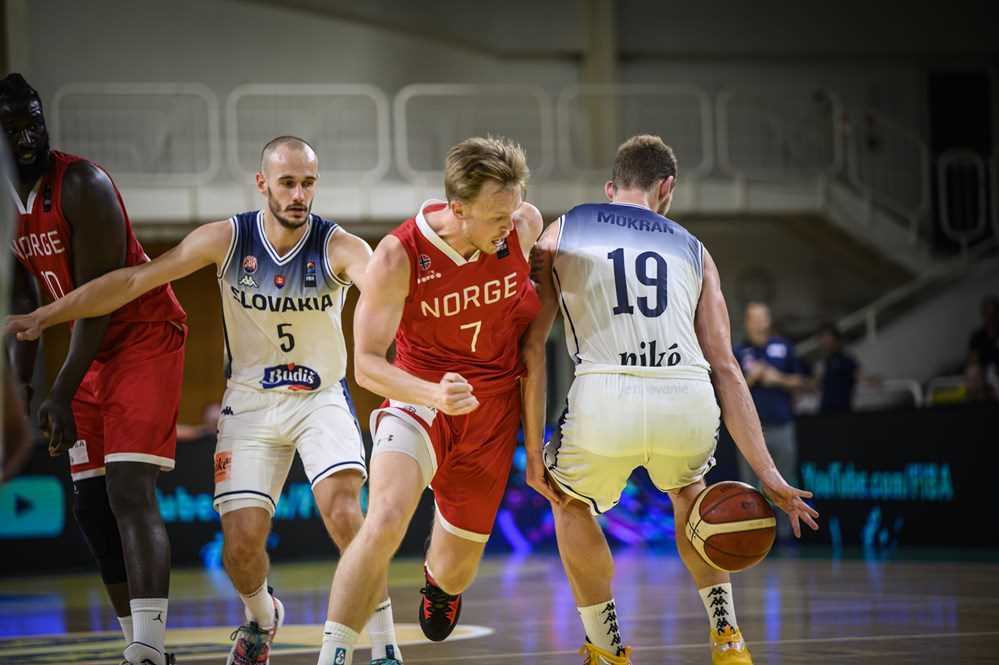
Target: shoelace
x,y
439,600
252,647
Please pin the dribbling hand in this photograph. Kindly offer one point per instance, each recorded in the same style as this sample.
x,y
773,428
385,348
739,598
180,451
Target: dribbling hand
x,y
791,500
25,326
455,396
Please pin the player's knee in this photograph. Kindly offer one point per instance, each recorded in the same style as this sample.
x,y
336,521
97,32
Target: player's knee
x,y
93,514
240,550
343,520
386,527
454,576
132,495
244,535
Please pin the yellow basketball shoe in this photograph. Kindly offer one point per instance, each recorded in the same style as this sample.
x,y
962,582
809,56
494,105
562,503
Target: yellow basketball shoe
x,y
597,656
728,648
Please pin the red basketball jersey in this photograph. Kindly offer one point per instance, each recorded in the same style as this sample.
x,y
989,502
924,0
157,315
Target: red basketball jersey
x,y
464,316
44,244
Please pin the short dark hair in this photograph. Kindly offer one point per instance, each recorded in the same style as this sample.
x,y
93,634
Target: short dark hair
x,y
641,161
13,86
279,141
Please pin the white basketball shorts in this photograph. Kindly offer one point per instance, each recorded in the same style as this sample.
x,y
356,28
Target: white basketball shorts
x,y
260,431
615,423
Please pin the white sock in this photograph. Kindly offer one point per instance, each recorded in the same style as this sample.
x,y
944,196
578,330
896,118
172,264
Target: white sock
x,y
260,606
149,618
126,628
720,606
600,623
338,644
381,630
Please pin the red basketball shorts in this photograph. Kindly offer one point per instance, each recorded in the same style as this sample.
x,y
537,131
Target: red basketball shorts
x,y
466,459
126,406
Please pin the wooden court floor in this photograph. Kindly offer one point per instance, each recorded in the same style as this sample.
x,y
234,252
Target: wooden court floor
x,y
809,608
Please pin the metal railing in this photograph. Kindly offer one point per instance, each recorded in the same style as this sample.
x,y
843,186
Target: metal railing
x,y
779,134
594,119
962,186
889,165
143,133
444,114
169,134
347,123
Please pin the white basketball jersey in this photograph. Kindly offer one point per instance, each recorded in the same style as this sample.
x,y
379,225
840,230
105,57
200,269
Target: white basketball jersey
x,y
282,314
629,281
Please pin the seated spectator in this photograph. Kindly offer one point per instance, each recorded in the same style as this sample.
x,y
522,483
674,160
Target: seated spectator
x,y
983,349
838,372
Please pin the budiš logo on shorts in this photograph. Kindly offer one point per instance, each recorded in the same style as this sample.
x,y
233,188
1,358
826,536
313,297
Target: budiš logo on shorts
x,y
295,377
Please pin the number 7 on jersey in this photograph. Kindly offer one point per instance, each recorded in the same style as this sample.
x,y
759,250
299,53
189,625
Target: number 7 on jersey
x,y
477,327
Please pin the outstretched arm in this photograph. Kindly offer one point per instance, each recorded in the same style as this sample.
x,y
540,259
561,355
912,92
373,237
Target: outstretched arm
x,y
532,348
738,411
205,245
348,255
384,288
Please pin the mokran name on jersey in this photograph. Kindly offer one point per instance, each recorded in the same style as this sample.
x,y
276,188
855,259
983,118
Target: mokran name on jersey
x,y
458,301
267,303
636,223
296,377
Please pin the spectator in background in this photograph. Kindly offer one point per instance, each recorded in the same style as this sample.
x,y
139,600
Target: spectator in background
x,y
773,373
983,349
976,387
207,428
838,372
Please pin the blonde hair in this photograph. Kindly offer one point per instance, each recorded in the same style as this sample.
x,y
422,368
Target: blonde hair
x,y
474,161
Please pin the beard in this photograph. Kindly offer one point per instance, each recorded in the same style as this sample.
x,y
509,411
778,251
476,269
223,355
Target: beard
x,y
287,223
29,173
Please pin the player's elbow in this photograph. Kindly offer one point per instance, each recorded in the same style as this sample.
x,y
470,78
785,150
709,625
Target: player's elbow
x,y
725,368
532,351
362,372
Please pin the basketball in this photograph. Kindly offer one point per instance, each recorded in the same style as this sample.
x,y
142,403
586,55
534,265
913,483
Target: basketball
x,y
731,525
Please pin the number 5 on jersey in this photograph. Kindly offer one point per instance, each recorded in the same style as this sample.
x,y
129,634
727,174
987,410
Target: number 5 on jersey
x,y
287,339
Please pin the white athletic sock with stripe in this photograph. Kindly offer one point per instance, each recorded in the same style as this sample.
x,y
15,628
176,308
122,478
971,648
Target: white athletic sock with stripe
x,y
126,628
720,606
149,617
338,644
381,630
260,605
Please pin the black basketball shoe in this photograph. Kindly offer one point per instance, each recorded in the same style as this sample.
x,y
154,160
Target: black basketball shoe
x,y
439,611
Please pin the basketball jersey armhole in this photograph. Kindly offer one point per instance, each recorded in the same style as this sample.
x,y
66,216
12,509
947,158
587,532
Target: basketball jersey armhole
x,y
327,266
558,239
233,243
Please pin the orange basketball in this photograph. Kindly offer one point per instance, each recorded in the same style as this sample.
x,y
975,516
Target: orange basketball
x,y
731,525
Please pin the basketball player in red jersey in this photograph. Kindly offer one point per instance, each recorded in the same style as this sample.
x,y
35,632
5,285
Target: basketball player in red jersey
x,y
113,405
452,287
